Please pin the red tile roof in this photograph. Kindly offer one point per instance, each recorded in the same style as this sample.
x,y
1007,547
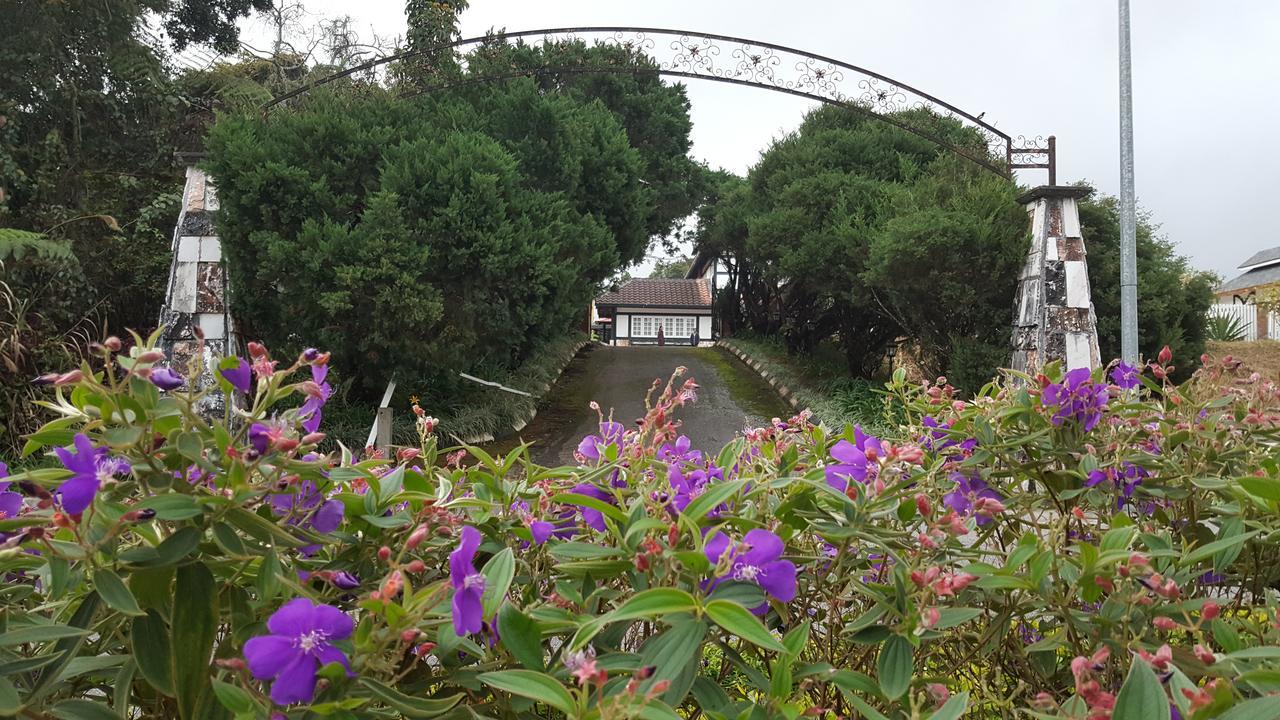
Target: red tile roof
x,y
653,292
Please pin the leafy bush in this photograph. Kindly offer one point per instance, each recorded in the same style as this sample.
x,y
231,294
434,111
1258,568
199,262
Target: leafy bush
x,y
1059,547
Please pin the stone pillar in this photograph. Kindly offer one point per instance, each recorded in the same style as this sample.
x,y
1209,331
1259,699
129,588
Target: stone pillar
x,y
1053,312
197,290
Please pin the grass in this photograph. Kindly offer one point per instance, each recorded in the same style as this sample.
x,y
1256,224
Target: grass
x,y
1261,356
821,383
470,412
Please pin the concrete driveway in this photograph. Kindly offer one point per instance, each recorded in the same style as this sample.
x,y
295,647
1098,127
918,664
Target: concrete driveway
x,y
731,397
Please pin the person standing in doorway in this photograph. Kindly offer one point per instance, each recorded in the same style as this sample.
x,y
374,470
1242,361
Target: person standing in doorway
x,y
662,339
693,339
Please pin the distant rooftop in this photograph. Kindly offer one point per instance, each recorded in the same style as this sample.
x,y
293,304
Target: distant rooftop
x,y
655,292
1264,257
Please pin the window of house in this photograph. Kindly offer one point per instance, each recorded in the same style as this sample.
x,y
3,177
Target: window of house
x,y
673,326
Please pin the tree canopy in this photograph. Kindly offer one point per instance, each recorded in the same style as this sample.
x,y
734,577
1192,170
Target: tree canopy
x,y
853,231
430,232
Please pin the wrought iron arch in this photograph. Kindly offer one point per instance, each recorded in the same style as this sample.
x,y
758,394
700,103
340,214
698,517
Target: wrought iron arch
x,y
752,63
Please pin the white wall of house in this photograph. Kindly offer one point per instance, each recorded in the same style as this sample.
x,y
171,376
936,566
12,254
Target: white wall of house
x,y
640,324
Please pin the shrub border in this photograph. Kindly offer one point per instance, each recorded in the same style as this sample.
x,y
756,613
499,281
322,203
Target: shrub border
x,y
778,386
537,399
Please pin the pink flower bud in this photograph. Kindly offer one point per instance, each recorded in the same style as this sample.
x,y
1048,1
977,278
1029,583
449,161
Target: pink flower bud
x,y
1205,655
923,505
1210,610
416,566
417,536
930,617
384,553
1165,623
68,378
1165,355
151,356
112,343
314,438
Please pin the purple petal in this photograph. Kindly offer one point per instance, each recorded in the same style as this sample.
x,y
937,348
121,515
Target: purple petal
x,y
346,580
461,561
296,683
541,531
292,619
240,376
167,379
612,432
765,547
10,505
335,624
328,517
330,654
778,578
847,452
4,472
260,438
468,611
838,476
77,493
588,447
716,546
268,654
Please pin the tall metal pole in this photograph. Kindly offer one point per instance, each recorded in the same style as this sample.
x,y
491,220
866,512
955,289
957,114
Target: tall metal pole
x,y
1128,213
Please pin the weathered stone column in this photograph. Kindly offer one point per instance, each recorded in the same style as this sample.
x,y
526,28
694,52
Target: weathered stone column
x,y
197,291
1053,312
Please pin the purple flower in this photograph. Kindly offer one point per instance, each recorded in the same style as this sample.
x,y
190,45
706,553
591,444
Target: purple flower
x,y
1076,398
688,487
307,507
1124,376
10,504
4,473
260,438
592,445
167,379
310,409
240,377
1126,480
468,584
345,580
592,517
298,646
680,451
852,460
756,560
966,493
90,467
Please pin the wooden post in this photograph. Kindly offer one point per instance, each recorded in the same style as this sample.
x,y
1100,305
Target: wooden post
x,y
383,430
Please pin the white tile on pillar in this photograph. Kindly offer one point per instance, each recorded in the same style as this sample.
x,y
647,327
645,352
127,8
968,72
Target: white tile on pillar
x,y
183,298
1051,249
1037,221
1077,276
214,325
188,248
1070,218
1078,348
210,249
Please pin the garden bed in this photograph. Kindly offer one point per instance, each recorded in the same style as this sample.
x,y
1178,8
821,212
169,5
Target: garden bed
x,y
834,398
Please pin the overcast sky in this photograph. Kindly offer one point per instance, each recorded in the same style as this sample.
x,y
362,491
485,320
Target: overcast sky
x,y
1206,86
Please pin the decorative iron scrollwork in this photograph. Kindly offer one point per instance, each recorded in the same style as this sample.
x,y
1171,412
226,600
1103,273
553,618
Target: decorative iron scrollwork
x,y
685,54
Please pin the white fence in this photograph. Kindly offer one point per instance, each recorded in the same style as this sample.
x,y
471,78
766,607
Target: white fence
x,y
1246,317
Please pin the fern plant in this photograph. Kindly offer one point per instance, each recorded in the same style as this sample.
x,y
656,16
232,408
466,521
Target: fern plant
x,y
17,244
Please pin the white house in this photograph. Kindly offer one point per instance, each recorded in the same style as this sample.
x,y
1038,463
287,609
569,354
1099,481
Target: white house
x,y
639,307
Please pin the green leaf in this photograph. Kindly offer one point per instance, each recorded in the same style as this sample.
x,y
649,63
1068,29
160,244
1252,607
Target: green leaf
x,y
82,710
114,592
195,627
609,510
655,603
672,654
952,616
714,496
1142,696
10,701
1263,708
533,685
582,551
521,635
1208,550
408,706
895,666
233,698
739,621
39,634
498,573
174,506
1267,488
748,595
67,647
953,708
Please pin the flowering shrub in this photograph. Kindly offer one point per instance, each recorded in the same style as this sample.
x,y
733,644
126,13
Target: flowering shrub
x,y
1059,547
